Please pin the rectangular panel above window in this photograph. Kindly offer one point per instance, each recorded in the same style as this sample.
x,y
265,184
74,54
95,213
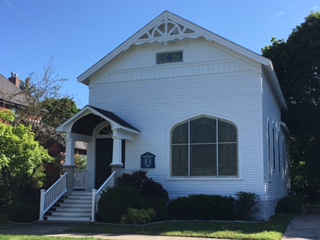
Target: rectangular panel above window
x,y
169,57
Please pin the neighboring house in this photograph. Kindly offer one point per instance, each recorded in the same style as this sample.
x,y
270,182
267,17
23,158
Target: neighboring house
x,y
200,113
11,96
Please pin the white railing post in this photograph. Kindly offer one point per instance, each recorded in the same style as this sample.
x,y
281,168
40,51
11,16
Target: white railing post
x,y
41,213
93,207
96,197
49,197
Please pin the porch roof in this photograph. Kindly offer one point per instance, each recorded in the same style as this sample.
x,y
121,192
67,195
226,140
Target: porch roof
x,y
89,117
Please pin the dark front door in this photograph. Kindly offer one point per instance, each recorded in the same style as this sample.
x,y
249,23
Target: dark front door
x,y
104,147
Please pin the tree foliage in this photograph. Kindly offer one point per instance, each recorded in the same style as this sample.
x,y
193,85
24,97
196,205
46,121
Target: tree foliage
x,y
58,110
21,159
297,65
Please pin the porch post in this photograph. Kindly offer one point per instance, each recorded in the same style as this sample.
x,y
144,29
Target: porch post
x,y
116,164
69,162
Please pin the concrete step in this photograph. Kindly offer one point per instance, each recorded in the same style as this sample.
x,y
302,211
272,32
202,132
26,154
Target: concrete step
x,y
73,204
73,209
69,219
68,200
78,197
71,214
81,193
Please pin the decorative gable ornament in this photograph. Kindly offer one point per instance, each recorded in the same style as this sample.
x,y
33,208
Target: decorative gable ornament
x,y
166,30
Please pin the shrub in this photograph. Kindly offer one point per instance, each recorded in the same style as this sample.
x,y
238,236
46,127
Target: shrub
x,y
204,207
138,216
159,205
153,189
134,190
135,179
245,204
115,202
289,205
23,212
148,186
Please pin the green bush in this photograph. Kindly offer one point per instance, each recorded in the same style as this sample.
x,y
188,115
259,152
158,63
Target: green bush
x,y
148,186
289,205
138,216
115,202
245,205
23,212
202,207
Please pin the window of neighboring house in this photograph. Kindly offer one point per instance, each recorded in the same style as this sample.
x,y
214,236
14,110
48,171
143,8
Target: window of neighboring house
x,y
169,57
204,147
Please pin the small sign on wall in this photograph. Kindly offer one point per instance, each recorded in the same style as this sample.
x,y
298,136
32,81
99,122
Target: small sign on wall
x,y
148,160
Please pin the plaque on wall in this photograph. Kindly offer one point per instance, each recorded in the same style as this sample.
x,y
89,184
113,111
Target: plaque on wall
x,y
148,160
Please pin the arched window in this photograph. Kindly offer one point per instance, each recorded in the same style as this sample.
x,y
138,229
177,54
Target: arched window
x,y
204,147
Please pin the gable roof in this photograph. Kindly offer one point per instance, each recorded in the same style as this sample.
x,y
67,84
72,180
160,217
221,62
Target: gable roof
x,y
10,93
115,120
169,27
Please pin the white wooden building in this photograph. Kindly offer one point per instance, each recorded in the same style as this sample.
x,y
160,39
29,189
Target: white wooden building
x,y
198,112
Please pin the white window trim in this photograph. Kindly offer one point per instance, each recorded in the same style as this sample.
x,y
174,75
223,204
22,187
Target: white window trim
x,y
204,178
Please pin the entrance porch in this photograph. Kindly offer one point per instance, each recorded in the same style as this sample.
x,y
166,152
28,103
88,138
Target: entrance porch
x,y
106,136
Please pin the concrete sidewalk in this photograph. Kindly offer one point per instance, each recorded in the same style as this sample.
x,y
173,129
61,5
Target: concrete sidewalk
x,y
304,227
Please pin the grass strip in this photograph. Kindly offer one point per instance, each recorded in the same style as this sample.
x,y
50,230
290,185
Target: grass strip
x,y
269,230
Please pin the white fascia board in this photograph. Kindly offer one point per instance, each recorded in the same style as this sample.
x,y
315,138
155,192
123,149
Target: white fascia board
x,y
64,127
275,85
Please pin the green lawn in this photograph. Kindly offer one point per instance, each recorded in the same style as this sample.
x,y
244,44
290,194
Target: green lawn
x,y
273,229
270,230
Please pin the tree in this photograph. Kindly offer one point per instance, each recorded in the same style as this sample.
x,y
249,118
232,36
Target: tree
x,y
21,158
44,108
297,65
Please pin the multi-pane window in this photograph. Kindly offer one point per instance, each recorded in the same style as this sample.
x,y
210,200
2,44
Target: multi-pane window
x,y
169,57
204,147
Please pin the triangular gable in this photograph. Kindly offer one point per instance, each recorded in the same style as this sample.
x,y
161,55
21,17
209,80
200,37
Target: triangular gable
x,y
166,28
114,120
169,27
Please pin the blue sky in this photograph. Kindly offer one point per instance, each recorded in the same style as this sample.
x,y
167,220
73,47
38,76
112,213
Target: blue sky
x,y
78,33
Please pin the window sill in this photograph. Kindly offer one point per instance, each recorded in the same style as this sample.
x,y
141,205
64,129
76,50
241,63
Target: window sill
x,y
205,179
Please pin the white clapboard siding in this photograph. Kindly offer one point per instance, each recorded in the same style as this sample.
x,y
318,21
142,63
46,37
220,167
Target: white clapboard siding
x,y
154,98
275,185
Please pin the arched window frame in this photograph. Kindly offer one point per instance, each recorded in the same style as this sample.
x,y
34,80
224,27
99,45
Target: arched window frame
x,y
217,145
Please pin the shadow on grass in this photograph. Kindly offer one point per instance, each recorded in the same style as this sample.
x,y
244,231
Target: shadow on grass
x,y
274,228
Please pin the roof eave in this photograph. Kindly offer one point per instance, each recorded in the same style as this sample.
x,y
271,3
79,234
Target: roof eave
x,y
275,85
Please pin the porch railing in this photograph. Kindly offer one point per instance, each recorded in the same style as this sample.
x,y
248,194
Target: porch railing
x,y
49,197
96,194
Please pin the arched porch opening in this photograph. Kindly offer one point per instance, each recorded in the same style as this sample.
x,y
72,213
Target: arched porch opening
x,y
106,135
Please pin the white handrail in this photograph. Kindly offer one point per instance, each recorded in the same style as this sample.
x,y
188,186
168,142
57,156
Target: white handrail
x,y
51,196
96,194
